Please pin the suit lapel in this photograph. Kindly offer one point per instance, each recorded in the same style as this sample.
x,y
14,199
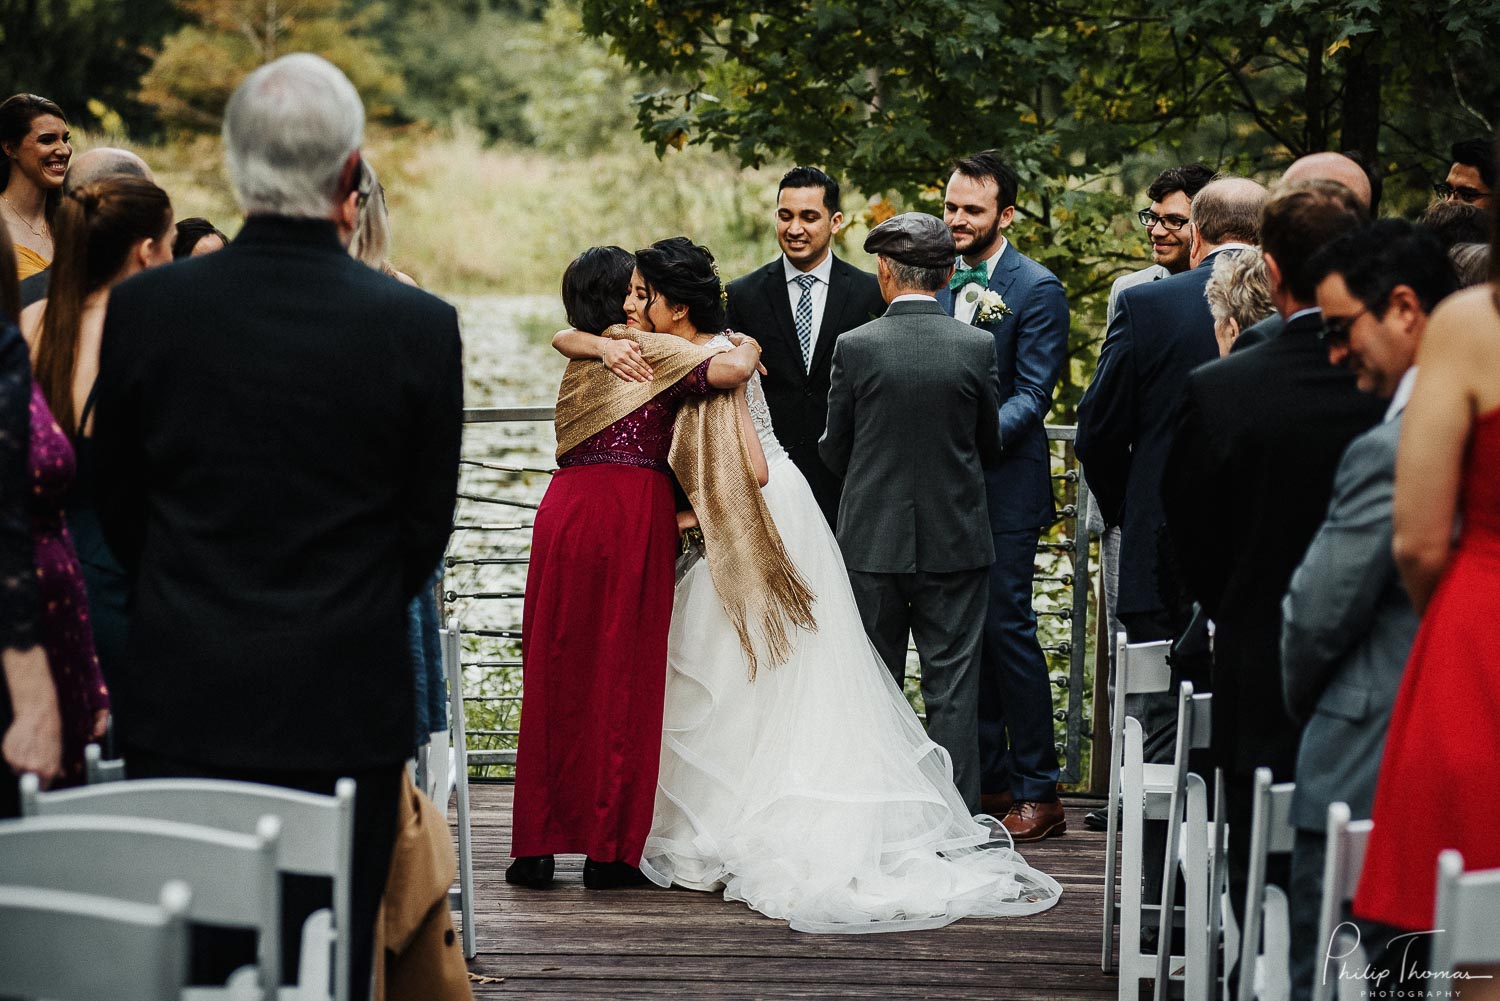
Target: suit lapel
x,y
833,311
1003,278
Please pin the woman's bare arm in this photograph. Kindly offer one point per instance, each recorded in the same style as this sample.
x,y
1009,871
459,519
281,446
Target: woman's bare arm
x,y
622,357
732,369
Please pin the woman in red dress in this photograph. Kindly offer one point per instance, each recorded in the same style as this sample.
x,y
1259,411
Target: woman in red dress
x,y
1438,780
599,593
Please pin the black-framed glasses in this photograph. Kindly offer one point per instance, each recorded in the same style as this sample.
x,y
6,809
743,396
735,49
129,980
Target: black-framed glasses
x,y
1170,223
1468,196
1335,331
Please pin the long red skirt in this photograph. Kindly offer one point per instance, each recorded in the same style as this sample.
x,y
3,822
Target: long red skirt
x,y
594,662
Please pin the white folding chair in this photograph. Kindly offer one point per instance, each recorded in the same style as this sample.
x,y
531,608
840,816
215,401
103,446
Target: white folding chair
x,y
1467,916
97,768
317,839
1342,863
1265,966
82,947
463,897
232,876
1191,848
1140,668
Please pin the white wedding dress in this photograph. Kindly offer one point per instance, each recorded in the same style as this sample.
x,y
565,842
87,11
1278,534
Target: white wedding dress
x,y
812,793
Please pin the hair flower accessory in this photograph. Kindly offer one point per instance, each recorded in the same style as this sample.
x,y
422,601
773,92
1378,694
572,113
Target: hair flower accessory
x,y
723,292
991,306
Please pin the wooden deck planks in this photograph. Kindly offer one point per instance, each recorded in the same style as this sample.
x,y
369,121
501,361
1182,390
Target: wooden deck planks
x,y
569,942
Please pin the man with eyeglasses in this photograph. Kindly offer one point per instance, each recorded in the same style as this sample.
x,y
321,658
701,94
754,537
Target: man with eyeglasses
x,y
1472,175
1347,623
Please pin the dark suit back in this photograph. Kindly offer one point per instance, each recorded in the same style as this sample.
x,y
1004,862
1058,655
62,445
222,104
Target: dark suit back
x,y
1031,344
1162,330
278,438
912,421
1246,486
798,397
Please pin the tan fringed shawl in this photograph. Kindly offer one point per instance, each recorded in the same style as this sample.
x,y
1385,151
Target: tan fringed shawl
x,y
762,593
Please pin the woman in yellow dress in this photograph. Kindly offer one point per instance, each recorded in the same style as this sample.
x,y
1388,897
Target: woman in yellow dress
x,y
35,147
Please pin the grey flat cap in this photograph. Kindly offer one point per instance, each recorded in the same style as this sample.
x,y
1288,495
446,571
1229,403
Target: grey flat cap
x,y
913,238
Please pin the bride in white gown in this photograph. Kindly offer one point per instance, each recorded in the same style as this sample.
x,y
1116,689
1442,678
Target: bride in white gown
x,y
812,792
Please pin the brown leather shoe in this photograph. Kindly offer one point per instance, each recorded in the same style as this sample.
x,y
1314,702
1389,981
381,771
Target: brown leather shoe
x,y
1030,820
996,804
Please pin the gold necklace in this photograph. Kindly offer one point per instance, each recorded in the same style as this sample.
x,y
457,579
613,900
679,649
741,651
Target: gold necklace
x,y
15,212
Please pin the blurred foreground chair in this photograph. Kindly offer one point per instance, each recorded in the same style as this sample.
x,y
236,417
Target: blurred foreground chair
x,y
317,839
1341,868
232,876
1265,948
135,952
1468,918
463,897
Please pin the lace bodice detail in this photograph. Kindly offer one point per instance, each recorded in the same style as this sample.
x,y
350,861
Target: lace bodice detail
x,y
760,413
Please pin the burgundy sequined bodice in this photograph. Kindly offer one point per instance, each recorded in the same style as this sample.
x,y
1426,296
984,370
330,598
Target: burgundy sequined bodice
x,y
642,437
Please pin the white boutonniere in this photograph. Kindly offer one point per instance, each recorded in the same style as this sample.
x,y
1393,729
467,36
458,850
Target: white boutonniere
x,y
991,307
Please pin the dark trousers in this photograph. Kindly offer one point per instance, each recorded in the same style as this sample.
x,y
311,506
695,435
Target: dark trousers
x,y
1017,749
218,952
944,612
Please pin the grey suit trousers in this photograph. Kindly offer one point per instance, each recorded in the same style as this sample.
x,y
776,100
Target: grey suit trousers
x,y
944,613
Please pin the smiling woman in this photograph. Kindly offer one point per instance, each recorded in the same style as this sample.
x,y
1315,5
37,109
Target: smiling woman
x,y
35,144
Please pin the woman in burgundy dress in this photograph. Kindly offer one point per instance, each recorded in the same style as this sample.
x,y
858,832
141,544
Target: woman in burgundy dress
x,y
599,593
1438,782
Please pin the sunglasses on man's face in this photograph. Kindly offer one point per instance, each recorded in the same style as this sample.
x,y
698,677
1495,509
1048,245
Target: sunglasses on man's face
x,y
1335,331
1468,196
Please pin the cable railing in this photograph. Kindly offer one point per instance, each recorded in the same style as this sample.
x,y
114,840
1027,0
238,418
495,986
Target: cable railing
x,y
506,465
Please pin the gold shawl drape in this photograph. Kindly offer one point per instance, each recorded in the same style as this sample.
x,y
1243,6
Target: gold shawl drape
x,y
763,595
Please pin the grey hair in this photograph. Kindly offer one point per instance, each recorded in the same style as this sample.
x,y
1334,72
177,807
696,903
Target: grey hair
x,y
1240,289
1471,261
288,130
371,242
101,162
913,276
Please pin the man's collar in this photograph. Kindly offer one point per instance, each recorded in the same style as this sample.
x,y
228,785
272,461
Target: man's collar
x,y
991,262
286,229
1402,394
1304,311
821,272
915,297
1231,245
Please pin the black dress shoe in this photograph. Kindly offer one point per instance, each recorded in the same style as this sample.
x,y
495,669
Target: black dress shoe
x,y
534,871
1096,820
609,875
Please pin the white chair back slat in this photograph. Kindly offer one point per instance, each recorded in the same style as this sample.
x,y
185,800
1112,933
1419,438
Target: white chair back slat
x,y
233,876
1271,832
1342,864
97,768
84,947
458,726
1140,669
1467,916
317,832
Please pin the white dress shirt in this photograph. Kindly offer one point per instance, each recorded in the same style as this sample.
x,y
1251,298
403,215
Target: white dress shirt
x,y
914,297
962,309
819,290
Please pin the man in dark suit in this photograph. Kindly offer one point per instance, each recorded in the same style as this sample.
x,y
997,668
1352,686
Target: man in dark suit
x,y
1023,307
912,522
278,451
1246,485
1161,331
797,306
1347,622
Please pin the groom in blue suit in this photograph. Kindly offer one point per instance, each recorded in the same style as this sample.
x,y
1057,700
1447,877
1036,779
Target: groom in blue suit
x,y
1024,308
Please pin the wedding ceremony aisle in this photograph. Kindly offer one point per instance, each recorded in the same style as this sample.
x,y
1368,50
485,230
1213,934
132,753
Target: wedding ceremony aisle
x,y
639,943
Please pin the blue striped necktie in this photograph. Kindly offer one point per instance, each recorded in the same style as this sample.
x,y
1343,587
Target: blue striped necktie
x,y
804,317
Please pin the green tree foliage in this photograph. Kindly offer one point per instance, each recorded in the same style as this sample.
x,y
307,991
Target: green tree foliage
x,y
201,64
1088,99
84,54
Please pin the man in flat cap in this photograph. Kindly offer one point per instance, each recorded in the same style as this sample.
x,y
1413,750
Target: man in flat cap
x,y
913,419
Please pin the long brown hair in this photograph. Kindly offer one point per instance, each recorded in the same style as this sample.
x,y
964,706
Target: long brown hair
x,y
97,226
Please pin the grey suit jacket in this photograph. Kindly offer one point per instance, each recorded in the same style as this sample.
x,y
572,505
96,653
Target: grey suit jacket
x,y
913,419
1347,627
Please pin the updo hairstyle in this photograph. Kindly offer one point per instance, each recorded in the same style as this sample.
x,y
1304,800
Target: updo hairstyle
x,y
684,275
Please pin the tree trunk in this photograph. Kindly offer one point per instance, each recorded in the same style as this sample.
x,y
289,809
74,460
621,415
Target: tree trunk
x,y
1316,133
1360,128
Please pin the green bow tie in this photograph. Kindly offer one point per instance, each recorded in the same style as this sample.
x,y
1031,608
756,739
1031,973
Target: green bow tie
x,y
979,274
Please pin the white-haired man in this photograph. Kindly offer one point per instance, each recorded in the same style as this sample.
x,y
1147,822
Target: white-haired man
x,y
278,453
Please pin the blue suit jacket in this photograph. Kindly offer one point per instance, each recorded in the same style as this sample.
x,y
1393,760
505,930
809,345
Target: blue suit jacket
x,y
1031,344
1161,331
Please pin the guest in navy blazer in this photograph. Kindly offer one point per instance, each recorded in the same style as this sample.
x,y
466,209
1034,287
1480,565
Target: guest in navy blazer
x,y
1029,322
